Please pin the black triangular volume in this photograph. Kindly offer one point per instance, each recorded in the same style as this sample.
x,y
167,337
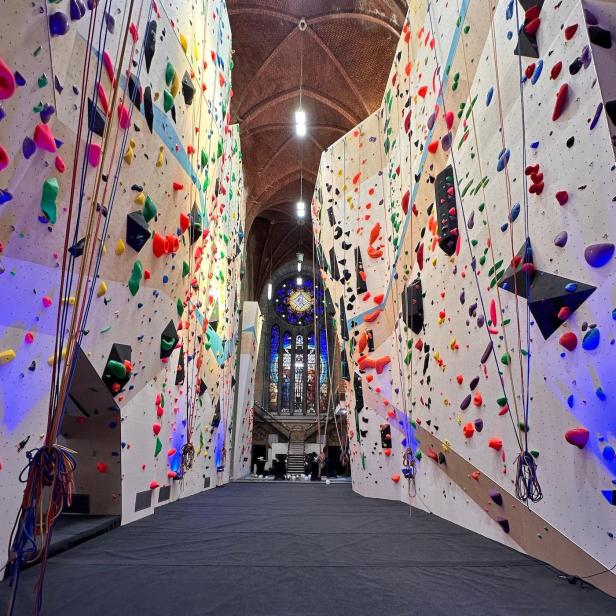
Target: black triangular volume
x,y
359,393
196,224
134,90
527,46
446,211
517,279
548,296
412,306
361,285
344,368
168,339
137,231
148,108
180,373
344,330
119,353
202,387
96,119
333,264
216,417
386,437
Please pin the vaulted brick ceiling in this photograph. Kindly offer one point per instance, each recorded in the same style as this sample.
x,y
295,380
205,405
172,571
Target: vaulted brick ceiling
x,y
347,49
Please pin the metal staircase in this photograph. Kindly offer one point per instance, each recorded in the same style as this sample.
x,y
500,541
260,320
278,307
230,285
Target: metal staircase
x,y
295,460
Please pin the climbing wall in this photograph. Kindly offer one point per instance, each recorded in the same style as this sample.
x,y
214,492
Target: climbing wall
x,y
465,235
152,152
252,322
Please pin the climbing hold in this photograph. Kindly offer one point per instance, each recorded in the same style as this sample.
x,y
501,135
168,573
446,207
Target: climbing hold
x,y
561,239
6,356
135,279
395,477
7,81
503,523
597,255
497,497
149,43
562,196
48,199
562,98
591,339
568,340
495,443
119,250
58,24
577,436
94,154
101,467
44,139
156,428
468,429
153,485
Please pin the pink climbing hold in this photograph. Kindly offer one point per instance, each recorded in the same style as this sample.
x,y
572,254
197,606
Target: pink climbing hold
x,y
156,428
60,164
577,436
29,338
94,154
44,139
47,301
449,119
7,81
108,64
101,467
123,117
493,312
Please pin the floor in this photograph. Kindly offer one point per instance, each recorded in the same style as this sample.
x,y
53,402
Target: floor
x,y
306,549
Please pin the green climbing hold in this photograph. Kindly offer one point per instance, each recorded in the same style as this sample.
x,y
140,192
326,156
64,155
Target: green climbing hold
x,y
167,101
506,359
185,269
158,447
117,369
149,209
135,279
169,74
180,307
42,81
48,199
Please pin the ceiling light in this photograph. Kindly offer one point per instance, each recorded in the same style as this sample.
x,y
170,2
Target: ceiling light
x,y
300,123
299,281
269,290
299,266
301,209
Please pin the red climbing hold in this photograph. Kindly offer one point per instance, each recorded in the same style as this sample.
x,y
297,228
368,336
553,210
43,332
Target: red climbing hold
x,y
468,429
158,244
562,196
156,428
577,436
562,98
395,477
555,72
153,485
374,233
569,341
378,299
387,451
177,186
405,202
433,147
532,26
495,443
422,91
184,222
564,313
449,119
43,137
373,316
4,159
570,31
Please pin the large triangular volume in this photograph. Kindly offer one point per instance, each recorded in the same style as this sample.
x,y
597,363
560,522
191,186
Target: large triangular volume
x,y
344,330
361,285
168,339
527,41
344,367
412,306
117,373
549,294
520,274
333,264
196,224
179,372
137,231
216,417
446,211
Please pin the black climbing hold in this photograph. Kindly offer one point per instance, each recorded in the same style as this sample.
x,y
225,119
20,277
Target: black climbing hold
x,y
188,89
344,330
134,90
600,37
333,264
96,119
148,109
179,372
76,250
196,224
149,43
360,283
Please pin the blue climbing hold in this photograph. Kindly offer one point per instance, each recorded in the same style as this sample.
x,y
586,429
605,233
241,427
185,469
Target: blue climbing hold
x,y
591,339
597,255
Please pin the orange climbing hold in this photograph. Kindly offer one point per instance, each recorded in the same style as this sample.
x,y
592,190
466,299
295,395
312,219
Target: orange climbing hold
x,y
496,443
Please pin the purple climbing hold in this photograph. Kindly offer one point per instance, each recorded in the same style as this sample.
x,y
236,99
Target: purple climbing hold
x,y
487,352
464,404
46,112
478,424
597,255
430,122
561,239
596,116
470,223
58,24
446,142
77,10
28,147
497,497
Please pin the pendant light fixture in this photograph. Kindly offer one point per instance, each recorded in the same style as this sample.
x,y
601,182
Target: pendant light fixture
x,y
300,114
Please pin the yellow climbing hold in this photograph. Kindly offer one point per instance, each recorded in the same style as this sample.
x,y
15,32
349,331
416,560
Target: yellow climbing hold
x,y
102,289
183,42
51,359
175,85
161,157
120,247
7,356
140,199
130,153
69,300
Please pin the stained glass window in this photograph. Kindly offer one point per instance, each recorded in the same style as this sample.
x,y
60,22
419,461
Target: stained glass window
x,y
323,371
298,361
285,406
311,375
274,361
295,302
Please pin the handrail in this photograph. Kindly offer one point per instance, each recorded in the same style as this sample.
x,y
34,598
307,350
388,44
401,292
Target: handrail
x,y
273,419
